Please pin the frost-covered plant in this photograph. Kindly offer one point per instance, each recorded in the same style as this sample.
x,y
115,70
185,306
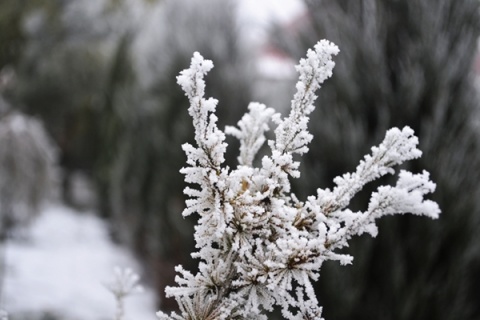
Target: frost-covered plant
x,y
258,245
125,283
27,169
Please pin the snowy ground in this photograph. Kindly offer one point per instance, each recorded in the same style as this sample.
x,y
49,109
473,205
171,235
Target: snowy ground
x,y
60,269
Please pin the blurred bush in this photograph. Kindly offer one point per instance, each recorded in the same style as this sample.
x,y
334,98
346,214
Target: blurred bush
x,y
101,75
27,160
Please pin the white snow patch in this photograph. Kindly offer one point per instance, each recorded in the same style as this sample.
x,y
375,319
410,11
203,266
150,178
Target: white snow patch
x,y
62,267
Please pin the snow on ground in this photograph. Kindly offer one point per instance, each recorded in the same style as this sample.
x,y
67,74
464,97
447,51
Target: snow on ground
x,y
61,269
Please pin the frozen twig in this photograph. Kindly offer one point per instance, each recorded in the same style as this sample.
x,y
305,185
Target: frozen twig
x,y
125,283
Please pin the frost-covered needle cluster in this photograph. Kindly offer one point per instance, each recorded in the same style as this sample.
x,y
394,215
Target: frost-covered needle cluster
x,y
125,283
258,245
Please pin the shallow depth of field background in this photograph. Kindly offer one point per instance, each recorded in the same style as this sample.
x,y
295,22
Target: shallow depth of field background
x,y
92,122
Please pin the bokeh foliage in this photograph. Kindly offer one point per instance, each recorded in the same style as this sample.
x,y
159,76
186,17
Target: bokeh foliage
x,y
103,81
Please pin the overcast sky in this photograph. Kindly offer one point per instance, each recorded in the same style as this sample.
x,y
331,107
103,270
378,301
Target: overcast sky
x,y
256,15
264,11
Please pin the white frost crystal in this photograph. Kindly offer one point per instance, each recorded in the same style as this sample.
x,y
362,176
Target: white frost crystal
x,y
258,245
124,284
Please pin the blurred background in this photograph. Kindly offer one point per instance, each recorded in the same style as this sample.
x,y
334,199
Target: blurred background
x,y
92,122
